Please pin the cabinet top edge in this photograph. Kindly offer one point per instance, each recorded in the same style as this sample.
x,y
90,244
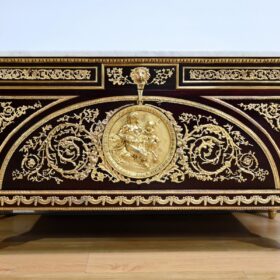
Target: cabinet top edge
x,y
143,59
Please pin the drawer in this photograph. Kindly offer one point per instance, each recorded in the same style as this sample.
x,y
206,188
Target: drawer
x,y
139,133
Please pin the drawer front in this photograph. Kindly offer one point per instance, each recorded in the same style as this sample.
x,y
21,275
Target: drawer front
x,y
139,134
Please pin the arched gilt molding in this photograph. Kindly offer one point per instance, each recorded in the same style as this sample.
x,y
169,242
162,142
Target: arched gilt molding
x,y
220,100
56,100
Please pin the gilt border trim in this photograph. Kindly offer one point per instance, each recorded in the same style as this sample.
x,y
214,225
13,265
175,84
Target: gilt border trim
x,y
186,81
138,202
246,191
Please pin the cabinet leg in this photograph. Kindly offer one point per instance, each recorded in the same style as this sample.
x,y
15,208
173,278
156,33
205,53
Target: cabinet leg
x,y
272,214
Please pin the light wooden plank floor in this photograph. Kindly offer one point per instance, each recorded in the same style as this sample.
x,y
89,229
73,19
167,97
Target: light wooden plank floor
x,y
142,246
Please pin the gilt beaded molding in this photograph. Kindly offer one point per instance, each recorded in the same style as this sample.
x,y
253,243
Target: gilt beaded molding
x,y
137,60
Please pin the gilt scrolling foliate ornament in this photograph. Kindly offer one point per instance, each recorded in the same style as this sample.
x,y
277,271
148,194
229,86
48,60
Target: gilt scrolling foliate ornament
x,y
270,112
235,74
9,112
73,149
44,74
138,144
140,77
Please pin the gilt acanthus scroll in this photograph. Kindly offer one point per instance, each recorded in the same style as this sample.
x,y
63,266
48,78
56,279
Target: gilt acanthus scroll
x,y
9,113
44,74
140,77
235,74
270,111
138,143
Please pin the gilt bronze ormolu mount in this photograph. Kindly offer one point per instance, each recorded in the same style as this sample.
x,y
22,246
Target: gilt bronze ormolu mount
x,y
200,134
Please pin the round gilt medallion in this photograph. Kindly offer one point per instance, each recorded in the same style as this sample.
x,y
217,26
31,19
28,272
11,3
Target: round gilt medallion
x,y
139,141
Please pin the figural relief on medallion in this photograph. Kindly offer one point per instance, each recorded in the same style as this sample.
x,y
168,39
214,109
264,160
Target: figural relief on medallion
x,y
138,143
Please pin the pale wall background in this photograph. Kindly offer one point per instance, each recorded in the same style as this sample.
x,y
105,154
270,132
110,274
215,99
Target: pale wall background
x,y
194,26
